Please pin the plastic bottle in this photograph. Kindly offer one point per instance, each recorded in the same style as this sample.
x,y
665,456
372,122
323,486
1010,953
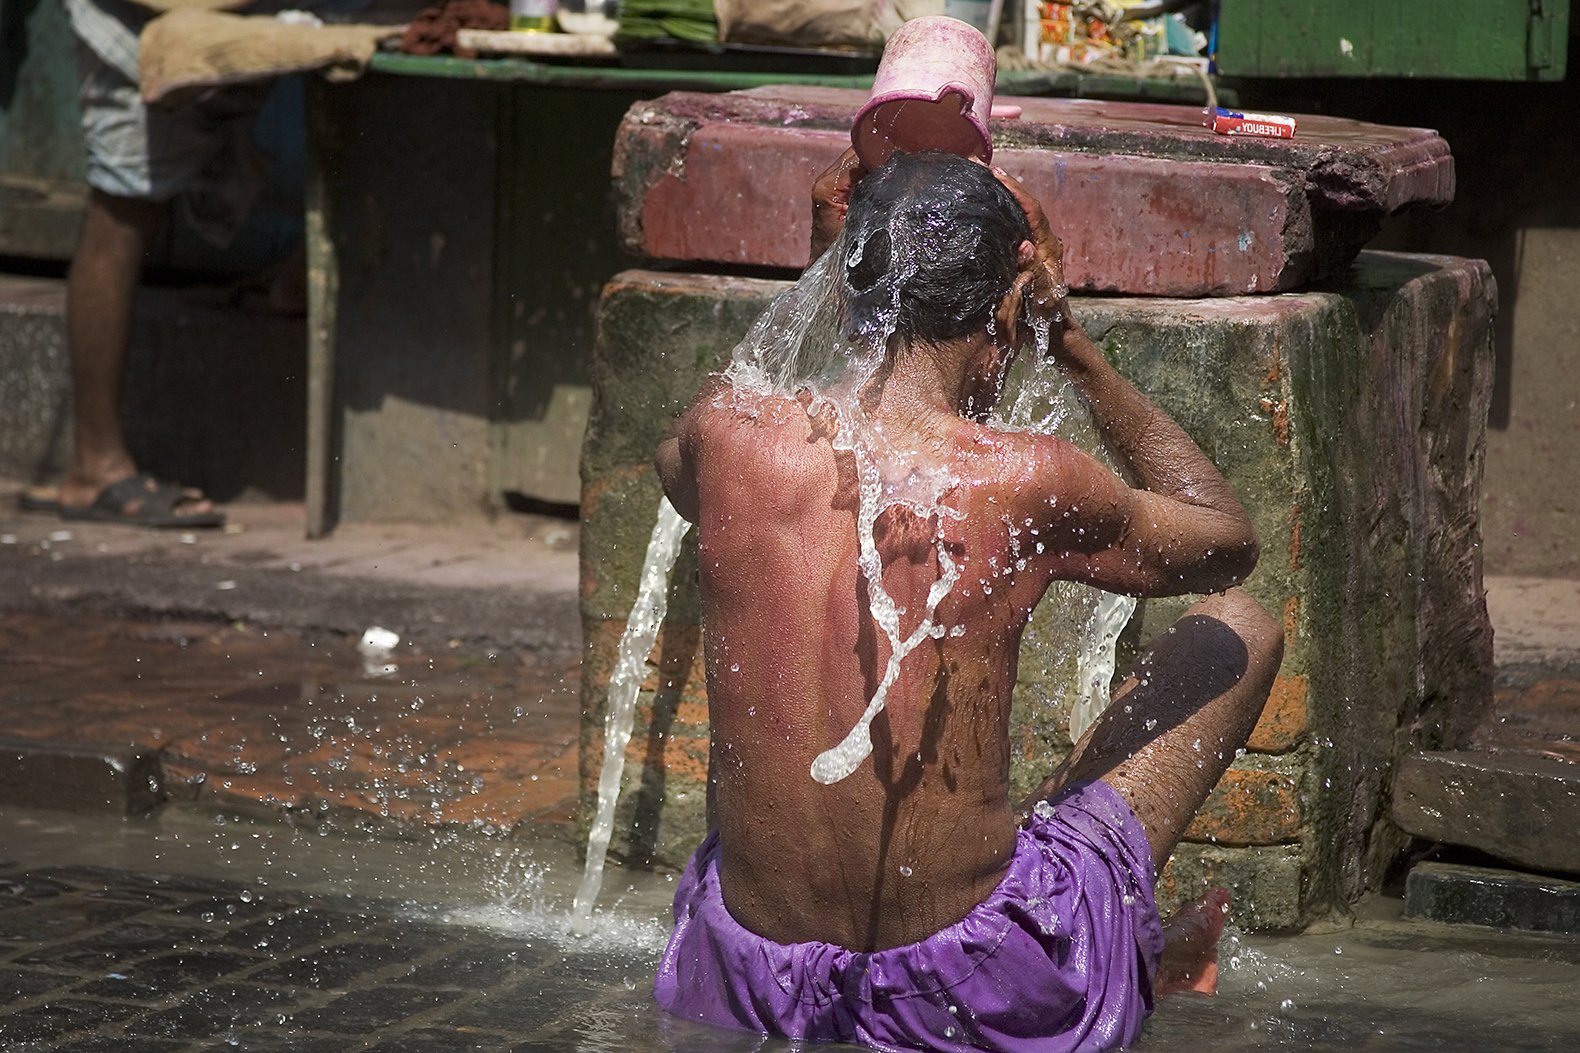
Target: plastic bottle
x,y
533,16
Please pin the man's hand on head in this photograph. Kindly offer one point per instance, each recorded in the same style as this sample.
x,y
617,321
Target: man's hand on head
x,y
831,200
1039,288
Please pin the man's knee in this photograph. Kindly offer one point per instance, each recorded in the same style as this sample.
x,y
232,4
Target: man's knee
x,y
1262,633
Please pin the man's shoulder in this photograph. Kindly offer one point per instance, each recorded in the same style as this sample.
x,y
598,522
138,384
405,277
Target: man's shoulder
x,y
1030,471
728,413
1013,445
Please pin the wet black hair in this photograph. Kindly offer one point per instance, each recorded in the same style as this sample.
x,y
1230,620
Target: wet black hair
x,y
961,230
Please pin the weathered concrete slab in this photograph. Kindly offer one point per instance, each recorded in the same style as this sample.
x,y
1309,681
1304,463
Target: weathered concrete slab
x,y
1538,621
1500,899
1350,421
35,378
1520,808
1146,200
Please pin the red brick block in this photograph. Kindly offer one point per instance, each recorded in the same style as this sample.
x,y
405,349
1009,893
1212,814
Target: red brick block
x,y
1145,199
1142,225
1283,719
1249,808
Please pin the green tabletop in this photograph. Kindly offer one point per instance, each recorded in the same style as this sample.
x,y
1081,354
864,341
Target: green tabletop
x,y
631,78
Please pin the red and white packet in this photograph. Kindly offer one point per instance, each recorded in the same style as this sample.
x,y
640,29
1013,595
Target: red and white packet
x,y
1263,125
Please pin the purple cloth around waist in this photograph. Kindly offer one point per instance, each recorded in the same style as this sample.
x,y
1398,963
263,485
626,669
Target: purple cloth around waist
x,y
1060,957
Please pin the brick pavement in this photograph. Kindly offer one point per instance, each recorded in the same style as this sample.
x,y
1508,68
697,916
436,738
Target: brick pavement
x,y
98,959
124,715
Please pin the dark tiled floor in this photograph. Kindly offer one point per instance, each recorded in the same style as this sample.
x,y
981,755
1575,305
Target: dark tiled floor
x,y
133,962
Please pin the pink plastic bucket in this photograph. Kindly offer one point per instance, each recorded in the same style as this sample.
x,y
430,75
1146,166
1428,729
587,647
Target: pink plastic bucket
x,y
933,91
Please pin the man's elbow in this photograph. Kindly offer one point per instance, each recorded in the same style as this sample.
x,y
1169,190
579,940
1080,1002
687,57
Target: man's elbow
x,y
666,462
680,490
1235,559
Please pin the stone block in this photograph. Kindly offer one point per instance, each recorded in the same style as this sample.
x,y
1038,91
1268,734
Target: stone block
x,y
1505,805
1251,806
1350,422
1145,199
1283,719
1500,899
662,812
659,336
80,778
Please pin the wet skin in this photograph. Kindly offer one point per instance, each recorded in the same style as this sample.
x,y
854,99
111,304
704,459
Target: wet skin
x,y
924,829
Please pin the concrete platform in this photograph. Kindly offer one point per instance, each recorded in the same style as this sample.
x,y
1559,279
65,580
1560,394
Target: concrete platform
x,y
1520,808
1539,629
1498,899
215,396
1514,790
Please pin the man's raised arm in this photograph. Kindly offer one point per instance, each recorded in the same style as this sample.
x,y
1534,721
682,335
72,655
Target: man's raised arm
x,y
1184,530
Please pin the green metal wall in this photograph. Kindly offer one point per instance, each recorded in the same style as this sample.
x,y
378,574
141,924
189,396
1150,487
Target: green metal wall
x,y
1461,39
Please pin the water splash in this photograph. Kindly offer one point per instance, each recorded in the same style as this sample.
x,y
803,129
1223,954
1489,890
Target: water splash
x,y
526,906
1096,658
641,631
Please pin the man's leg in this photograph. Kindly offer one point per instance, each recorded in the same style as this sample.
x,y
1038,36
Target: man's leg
x,y
1178,719
101,287
1172,730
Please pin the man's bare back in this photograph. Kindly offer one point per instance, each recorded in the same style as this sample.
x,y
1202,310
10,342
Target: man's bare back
x,y
917,837
922,832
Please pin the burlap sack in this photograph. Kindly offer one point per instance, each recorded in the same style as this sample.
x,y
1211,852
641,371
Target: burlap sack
x,y
193,50
845,24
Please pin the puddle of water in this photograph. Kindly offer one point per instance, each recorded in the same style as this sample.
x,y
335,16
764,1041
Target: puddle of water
x,y
278,723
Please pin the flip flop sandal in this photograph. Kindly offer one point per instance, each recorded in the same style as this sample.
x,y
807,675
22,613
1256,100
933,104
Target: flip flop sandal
x,y
29,501
155,506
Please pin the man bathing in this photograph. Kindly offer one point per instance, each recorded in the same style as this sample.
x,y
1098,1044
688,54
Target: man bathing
x,y
913,904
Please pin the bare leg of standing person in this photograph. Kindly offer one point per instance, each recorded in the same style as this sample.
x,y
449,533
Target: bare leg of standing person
x,y
100,289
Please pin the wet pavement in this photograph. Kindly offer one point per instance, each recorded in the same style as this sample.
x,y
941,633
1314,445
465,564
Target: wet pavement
x,y
193,936
329,849
127,715
94,958
143,669
503,583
